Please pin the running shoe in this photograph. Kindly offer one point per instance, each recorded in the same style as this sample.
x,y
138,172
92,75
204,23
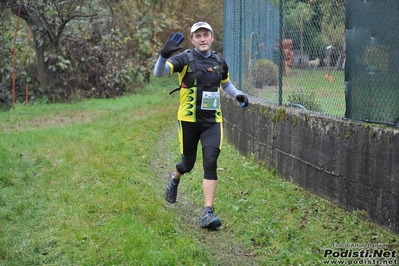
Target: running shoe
x,y
171,189
209,220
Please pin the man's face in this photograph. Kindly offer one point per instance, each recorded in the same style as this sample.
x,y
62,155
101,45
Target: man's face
x,y
202,40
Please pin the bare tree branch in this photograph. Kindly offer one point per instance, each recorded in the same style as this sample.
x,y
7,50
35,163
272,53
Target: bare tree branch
x,y
68,19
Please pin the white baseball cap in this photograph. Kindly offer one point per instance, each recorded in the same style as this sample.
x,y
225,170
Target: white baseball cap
x,y
200,25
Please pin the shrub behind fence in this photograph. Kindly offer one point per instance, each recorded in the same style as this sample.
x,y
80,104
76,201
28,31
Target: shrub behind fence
x,y
332,57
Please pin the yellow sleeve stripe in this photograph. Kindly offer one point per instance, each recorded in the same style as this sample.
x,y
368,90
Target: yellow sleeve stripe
x,y
172,68
226,79
182,74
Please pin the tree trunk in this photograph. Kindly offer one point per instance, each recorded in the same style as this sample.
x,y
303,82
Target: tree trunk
x,y
43,70
40,41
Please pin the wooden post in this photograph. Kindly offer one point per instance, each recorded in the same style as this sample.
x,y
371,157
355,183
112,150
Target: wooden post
x,y
27,94
328,75
301,40
14,61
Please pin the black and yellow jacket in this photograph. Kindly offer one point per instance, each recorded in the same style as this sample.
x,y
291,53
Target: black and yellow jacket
x,y
199,85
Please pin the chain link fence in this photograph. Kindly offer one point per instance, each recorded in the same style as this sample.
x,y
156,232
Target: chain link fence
x,y
325,56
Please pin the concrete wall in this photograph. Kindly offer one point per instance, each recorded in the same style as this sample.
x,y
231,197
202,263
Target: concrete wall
x,y
351,164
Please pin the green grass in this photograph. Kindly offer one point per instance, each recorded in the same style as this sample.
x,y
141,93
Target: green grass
x,y
329,95
82,184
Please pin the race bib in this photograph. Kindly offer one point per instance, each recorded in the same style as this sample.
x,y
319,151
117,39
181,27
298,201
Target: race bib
x,y
210,100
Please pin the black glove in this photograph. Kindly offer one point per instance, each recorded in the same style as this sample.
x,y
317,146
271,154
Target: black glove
x,y
172,44
242,98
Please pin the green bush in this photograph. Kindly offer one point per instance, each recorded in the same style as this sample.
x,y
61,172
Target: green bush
x,y
305,99
263,72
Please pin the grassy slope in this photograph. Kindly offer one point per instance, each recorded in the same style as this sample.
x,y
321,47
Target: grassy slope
x,y
312,85
83,184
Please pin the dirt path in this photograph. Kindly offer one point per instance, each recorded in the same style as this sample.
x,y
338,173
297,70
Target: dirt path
x,y
221,243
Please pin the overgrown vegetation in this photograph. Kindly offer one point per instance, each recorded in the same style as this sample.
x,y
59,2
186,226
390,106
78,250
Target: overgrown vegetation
x,y
313,25
82,184
66,51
